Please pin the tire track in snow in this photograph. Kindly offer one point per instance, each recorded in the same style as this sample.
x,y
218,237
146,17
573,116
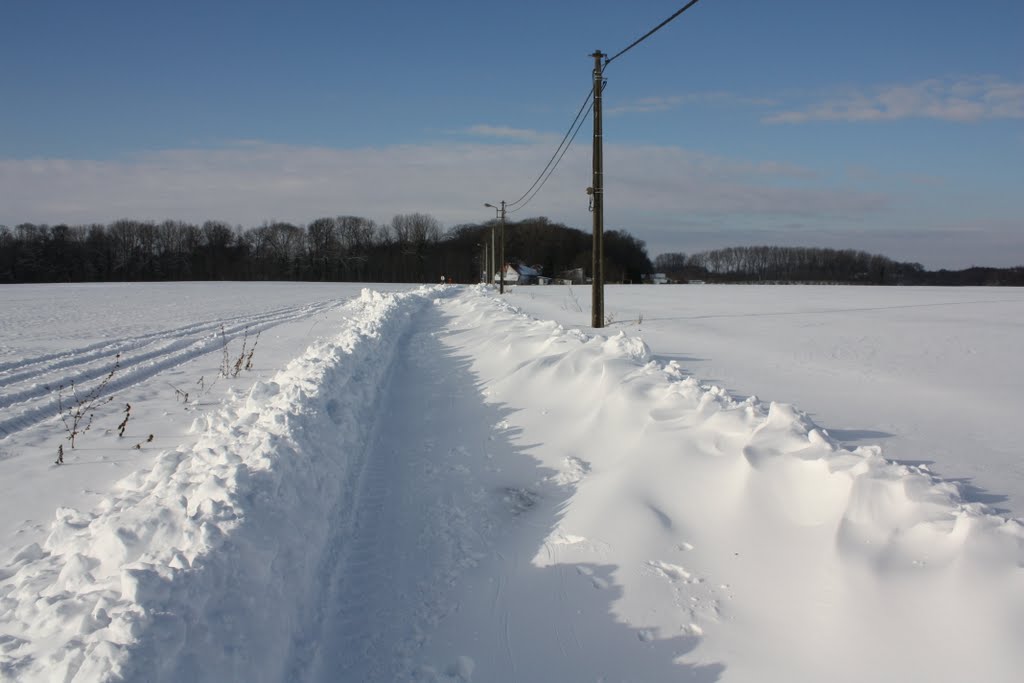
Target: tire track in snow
x,y
415,524
26,404
363,586
107,349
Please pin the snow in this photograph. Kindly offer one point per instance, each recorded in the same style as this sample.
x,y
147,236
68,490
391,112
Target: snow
x,y
439,484
932,374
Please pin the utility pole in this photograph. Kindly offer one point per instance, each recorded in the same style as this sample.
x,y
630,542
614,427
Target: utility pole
x,y
501,281
597,192
501,287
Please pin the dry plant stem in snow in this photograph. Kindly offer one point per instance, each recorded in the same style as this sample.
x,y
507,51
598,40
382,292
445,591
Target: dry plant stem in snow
x,y
180,395
244,360
205,388
248,358
77,411
575,305
225,361
124,422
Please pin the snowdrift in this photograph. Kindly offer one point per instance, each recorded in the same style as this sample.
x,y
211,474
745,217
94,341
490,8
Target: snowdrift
x,y
740,530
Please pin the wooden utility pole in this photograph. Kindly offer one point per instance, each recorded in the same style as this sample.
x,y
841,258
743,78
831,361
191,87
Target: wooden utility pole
x,y
597,191
501,264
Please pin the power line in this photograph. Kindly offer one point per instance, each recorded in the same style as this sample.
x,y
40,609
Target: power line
x,y
650,33
564,150
577,122
557,149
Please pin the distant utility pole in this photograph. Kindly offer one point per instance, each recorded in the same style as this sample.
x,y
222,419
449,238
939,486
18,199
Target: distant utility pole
x,y
501,287
501,264
597,195
490,269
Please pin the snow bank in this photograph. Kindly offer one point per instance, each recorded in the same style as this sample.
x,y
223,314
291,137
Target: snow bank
x,y
740,530
200,567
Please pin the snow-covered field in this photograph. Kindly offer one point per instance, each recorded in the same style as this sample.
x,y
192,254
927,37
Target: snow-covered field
x,y
432,484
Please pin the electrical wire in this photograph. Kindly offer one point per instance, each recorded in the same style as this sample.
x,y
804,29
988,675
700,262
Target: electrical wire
x,y
558,149
649,33
564,150
577,122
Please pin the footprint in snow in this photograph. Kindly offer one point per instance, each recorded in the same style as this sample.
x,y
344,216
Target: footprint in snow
x,y
672,572
597,581
518,500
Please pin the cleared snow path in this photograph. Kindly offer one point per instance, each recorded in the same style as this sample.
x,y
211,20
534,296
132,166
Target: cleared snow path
x,y
452,491
437,580
420,516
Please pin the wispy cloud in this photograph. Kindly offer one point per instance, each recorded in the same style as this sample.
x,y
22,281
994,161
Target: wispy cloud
x,y
960,100
506,133
669,102
647,104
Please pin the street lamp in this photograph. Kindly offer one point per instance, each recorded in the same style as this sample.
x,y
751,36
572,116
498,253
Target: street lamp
x,y
501,260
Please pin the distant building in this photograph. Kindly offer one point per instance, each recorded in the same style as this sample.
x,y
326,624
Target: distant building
x,y
511,275
518,274
656,279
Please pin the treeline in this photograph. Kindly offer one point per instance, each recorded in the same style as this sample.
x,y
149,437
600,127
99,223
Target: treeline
x,y
415,248
411,248
805,264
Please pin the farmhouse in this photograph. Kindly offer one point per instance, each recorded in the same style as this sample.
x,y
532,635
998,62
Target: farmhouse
x,y
518,274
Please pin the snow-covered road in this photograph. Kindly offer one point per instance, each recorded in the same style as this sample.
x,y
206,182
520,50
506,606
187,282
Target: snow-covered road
x,y
446,489
438,579
417,517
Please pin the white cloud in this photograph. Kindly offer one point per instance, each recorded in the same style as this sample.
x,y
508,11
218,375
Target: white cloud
x,y
963,100
507,133
647,104
251,182
669,102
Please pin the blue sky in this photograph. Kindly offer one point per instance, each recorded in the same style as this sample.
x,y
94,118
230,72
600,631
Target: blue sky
x,y
892,127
